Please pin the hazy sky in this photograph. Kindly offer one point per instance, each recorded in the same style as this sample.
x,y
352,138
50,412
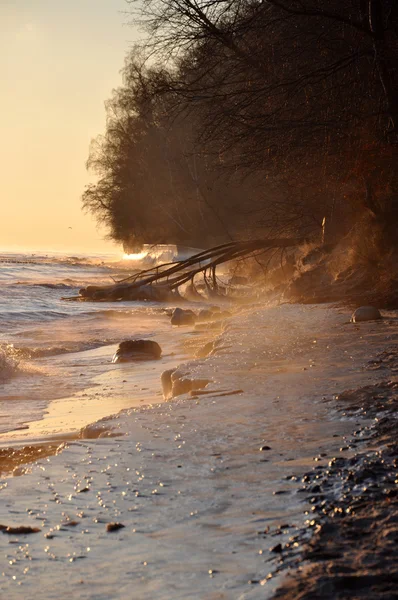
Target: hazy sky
x,y
59,60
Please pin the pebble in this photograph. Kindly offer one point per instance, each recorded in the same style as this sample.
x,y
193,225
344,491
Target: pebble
x,y
114,526
22,529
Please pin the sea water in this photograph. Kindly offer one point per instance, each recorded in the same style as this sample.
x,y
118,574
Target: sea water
x,y
45,340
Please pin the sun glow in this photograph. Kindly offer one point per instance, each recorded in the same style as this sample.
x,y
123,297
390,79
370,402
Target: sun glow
x,y
138,256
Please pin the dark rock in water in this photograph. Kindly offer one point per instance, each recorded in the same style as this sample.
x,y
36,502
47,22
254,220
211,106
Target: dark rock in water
x,y
114,527
132,350
183,317
366,313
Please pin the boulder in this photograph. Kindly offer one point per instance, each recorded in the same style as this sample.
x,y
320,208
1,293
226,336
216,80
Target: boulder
x,y
212,314
183,317
210,348
167,384
132,350
366,313
176,382
206,315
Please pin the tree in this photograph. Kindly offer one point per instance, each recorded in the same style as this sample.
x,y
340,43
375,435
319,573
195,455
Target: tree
x,y
258,117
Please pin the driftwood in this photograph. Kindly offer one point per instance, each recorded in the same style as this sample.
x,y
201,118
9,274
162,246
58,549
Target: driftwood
x,y
162,283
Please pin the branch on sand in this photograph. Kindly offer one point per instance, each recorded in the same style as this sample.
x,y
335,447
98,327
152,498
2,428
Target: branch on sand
x,y
162,283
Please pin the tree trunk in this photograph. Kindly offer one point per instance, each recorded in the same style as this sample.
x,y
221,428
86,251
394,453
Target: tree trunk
x,y
385,59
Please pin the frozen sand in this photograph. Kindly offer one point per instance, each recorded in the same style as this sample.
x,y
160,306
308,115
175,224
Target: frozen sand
x,y
217,490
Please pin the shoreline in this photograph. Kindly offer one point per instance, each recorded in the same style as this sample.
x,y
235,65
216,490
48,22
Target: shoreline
x,y
90,412
221,492
352,551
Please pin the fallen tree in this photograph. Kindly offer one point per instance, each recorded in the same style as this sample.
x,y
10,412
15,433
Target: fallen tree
x,y
162,283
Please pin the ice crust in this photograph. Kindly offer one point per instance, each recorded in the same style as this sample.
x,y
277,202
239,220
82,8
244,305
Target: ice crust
x,y
187,477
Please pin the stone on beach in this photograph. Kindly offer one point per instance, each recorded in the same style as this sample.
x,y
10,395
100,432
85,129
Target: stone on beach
x,y
20,530
209,314
175,383
206,350
206,314
166,382
366,313
132,350
114,527
183,317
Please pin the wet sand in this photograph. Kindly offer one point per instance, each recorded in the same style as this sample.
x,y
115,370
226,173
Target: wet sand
x,y
203,486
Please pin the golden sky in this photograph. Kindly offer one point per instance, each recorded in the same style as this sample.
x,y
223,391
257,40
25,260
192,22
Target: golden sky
x,y
59,60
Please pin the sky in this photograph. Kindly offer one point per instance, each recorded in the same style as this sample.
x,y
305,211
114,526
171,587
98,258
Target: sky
x,y
59,61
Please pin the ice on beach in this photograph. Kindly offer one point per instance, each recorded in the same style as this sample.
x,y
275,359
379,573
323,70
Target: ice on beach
x,y
187,478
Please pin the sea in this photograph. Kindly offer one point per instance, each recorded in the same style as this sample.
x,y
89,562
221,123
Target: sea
x,y
46,338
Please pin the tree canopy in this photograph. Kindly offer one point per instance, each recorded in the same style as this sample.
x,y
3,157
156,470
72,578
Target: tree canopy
x,y
241,118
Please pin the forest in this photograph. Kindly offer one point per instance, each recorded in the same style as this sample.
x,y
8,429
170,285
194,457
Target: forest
x,y
250,119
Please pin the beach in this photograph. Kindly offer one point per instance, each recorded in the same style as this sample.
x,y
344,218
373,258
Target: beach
x,y
186,498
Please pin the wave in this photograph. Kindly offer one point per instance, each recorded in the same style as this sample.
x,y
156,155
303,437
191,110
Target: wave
x,y
52,286
31,316
18,353
141,309
104,262
9,363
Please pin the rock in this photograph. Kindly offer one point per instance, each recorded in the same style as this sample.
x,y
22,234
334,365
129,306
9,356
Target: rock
x,y
366,313
206,314
183,317
206,350
20,530
132,350
167,383
175,383
114,527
